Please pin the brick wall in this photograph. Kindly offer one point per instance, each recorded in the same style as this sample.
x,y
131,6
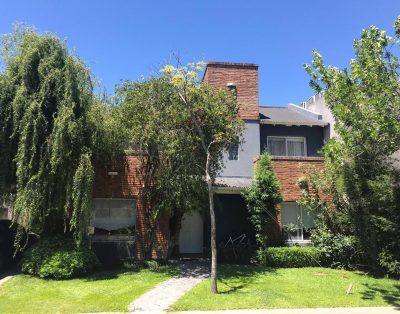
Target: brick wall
x,y
244,76
288,170
127,184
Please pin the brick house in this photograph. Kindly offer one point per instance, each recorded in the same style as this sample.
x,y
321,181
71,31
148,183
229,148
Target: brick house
x,y
293,135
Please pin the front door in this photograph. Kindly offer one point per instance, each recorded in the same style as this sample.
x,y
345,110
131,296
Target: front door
x,y
191,234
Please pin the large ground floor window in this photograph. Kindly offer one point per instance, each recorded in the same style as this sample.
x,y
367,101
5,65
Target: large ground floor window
x,y
297,222
113,214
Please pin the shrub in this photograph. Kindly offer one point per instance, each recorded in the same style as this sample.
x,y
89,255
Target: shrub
x,y
337,250
288,257
58,257
262,198
389,263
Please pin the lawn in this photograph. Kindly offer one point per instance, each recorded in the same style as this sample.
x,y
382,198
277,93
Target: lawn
x,y
250,287
104,291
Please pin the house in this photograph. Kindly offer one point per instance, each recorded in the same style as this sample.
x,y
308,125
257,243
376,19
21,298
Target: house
x,y
293,135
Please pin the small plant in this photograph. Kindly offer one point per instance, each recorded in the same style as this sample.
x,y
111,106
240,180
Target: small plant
x,y
153,265
58,257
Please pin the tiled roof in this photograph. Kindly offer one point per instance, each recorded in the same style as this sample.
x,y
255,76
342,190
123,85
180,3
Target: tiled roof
x,y
291,115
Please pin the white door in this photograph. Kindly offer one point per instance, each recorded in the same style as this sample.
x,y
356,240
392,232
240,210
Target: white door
x,y
191,235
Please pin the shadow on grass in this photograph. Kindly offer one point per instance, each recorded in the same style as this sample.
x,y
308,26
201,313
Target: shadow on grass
x,y
391,297
116,273
242,274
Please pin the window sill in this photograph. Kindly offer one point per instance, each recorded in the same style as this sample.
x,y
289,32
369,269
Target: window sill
x,y
298,158
298,242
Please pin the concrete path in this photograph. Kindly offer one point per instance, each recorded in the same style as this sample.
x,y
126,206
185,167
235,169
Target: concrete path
x,y
339,310
6,276
160,298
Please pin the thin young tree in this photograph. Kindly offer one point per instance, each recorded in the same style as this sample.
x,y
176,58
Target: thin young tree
x,y
213,117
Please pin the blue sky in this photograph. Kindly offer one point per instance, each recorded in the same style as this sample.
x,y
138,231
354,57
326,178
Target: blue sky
x,y
127,39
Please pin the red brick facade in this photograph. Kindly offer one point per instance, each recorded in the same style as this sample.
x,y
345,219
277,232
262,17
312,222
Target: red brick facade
x,y
127,184
289,170
244,76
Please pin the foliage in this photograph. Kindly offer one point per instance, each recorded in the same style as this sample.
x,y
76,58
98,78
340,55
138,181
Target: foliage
x,y
262,197
288,257
337,250
250,287
58,257
365,102
168,150
46,143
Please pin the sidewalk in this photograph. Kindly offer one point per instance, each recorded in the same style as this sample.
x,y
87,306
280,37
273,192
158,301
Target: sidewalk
x,y
339,310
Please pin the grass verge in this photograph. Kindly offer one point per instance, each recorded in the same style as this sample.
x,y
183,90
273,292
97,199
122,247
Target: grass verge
x,y
250,287
101,292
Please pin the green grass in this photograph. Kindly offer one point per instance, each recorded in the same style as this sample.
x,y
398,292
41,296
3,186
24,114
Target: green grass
x,y
104,291
250,287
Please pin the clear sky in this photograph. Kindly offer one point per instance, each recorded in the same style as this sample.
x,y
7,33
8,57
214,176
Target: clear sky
x,y
125,39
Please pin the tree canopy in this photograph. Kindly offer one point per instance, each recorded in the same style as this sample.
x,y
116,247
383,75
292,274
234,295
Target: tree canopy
x,y
365,102
47,137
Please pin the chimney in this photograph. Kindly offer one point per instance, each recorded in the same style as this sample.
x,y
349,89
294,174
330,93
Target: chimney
x,y
241,78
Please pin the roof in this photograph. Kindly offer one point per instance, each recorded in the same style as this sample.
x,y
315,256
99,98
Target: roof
x,y
290,115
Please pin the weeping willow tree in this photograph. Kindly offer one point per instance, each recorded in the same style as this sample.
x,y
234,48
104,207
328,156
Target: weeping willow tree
x,y
46,138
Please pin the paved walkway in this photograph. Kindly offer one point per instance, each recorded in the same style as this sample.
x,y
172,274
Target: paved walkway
x,y
339,310
160,298
6,276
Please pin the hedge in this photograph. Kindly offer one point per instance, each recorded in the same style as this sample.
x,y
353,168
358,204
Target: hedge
x,y
288,257
57,257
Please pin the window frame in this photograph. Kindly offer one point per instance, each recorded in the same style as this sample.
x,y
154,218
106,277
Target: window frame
x,y
286,144
300,230
237,148
93,211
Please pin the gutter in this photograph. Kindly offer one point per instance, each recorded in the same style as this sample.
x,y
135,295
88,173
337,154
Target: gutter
x,y
291,123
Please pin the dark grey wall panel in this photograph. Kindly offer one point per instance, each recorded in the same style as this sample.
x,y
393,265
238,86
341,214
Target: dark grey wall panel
x,y
314,135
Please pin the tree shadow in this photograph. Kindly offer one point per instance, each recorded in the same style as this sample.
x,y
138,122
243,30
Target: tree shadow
x,y
242,274
391,297
116,273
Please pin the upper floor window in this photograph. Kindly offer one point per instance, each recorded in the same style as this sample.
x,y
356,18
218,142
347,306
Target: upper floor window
x,y
286,146
232,88
233,151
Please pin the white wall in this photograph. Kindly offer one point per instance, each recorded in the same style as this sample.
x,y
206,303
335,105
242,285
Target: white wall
x,y
317,104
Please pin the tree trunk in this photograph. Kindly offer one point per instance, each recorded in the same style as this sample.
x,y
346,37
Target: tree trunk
x,y
214,288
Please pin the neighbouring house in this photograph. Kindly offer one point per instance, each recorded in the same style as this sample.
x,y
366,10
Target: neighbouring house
x,y
318,104
293,135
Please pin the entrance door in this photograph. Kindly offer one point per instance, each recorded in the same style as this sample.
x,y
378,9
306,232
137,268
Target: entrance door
x,y
191,235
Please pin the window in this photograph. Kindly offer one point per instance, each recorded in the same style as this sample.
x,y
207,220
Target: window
x,y
297,222
286,146
233,151
113,214
232,88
